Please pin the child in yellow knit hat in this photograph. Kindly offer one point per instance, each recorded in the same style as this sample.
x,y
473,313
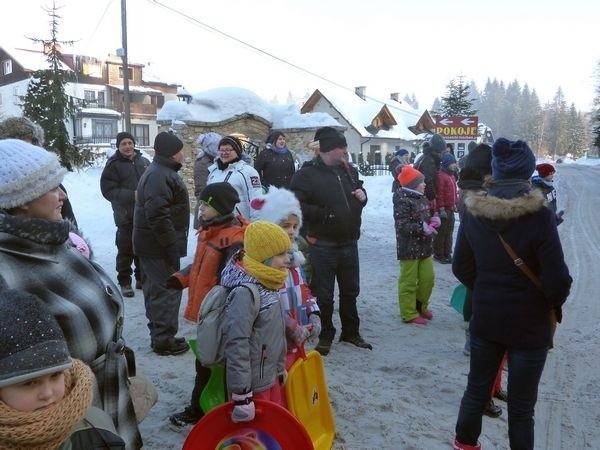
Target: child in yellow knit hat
x,y
45,396
255,341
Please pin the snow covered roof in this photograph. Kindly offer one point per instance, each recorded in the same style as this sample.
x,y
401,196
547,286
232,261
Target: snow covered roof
x,y
99,112
217,105
360,113
138,89
32,60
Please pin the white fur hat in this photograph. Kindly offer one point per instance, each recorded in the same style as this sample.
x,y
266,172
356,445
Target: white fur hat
x,y
276,205
26,172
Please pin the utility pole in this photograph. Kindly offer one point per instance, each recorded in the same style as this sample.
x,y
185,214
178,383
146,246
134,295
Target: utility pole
x,y
126,104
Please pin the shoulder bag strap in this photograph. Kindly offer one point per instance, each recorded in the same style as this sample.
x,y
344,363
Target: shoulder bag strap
x,y
520,263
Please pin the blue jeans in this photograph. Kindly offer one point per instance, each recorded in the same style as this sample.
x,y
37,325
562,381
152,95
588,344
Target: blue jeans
x,y
328,264
525,369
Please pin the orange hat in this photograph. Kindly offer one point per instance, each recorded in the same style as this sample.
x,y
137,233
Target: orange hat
x,y
409,177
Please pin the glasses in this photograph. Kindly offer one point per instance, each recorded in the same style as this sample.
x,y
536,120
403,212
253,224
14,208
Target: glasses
x,y
226,150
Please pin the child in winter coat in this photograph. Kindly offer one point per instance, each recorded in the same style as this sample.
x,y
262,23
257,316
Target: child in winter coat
x,y
445,202
303,322
45,395
220,236
544,181
255,341
414,229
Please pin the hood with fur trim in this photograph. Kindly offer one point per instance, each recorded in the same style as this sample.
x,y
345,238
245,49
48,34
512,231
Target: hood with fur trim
x,y
480,204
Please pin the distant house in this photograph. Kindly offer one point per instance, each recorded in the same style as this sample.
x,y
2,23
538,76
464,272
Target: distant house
x,y
99,85
374,127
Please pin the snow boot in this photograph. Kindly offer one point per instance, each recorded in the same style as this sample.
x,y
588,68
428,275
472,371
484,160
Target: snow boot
x,y
461,446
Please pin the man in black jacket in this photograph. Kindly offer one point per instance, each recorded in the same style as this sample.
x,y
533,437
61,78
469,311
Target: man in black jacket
x,y
160,231
429,165
118,184
332,198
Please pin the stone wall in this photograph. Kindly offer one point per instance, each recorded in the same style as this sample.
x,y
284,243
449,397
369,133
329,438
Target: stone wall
x,y
253,127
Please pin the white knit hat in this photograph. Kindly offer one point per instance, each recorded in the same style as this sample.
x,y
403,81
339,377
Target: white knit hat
x,y
26,172
276,205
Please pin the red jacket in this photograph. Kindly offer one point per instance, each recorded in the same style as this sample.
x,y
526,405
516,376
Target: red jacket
x,y
446,196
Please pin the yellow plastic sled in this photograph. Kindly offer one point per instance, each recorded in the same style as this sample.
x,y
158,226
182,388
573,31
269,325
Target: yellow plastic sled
x,y
308,400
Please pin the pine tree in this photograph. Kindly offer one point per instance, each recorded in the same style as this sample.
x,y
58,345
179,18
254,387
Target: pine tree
x,y
596,113
47,102
457,102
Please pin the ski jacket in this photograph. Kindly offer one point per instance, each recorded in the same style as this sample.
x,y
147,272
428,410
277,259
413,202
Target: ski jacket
x,y
118,184
246,181
331,213
274,168
411,209
162,211
446,196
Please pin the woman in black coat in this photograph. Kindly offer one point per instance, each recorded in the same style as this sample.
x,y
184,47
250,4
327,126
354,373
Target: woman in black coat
x,y
510,313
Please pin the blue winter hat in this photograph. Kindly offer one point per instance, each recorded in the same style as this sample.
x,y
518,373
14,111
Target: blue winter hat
x,y
512,160
447,159
401,152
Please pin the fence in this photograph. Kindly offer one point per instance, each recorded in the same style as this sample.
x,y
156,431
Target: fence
x,y
374,169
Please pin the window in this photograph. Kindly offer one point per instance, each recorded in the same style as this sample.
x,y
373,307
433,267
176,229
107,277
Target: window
x,y
16,96
7,66
101,100
129,73
104,128
90,96
141,134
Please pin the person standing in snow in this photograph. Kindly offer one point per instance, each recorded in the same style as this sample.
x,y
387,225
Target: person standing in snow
x,y
401,158
445,202
36,257
160,232
429,166
511,314
332,199
544,181
209,148
275,164
118,184
231,168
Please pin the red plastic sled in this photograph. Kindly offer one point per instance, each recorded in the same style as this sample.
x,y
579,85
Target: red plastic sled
x,y
273,428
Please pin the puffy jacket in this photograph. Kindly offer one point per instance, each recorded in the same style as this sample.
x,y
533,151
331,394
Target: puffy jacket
x,y
274,168
331,213
162,211
255,347
246,181
118,184
411,209
446,191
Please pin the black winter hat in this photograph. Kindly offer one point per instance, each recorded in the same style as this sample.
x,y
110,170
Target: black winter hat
x,y
32,343
477,163
234,142
512,160
273,136
222,196
329,139
167,144
437,144
124,135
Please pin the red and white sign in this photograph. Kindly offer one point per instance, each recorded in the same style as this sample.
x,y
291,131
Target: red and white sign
x,y
457,128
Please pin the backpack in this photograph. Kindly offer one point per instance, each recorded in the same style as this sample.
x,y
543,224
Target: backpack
x,y
209,334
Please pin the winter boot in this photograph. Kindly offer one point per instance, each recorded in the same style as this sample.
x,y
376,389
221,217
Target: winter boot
x,y
492,410
461,446
323,347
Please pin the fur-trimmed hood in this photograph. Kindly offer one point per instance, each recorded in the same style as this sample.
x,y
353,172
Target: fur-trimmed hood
x,y
481,204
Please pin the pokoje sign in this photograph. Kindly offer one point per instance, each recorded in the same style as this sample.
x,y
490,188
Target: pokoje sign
x,y
457,128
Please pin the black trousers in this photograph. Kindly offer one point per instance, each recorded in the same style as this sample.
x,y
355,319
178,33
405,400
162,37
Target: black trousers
x,y
125,256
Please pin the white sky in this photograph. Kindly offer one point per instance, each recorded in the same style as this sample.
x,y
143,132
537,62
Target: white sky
x,y
387,45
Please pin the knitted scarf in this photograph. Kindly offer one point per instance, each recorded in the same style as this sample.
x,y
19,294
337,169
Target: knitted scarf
x,y
267,276
47,428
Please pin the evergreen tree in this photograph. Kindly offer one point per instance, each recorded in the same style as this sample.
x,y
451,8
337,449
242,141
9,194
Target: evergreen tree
x,y
47,102
596,113
457,101
575,138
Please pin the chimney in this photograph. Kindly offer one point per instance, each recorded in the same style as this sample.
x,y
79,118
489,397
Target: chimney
x,y
360,91
394,96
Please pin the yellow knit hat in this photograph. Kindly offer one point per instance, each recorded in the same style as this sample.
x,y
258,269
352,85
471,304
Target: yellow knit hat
x,y
263,240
